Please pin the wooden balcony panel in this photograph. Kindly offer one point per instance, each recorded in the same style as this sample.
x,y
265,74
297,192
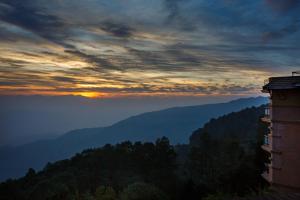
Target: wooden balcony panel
x,y
267,148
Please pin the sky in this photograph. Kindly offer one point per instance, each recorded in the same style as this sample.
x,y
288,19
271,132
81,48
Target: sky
x,y
122,48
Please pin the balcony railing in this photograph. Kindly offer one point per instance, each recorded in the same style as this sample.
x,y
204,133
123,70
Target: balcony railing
x,y
266,140
267,176
267,116
267,111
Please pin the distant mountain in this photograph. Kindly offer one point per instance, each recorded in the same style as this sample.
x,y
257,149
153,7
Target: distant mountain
x,y
25,119
232,140
175,123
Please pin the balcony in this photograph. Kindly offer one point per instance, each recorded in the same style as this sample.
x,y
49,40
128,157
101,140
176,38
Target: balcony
x,y
266,145
267,111
267,117
267,176
266,140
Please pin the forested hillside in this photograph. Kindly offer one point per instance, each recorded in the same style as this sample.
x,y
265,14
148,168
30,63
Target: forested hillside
x,y
217,163
174,123
240,125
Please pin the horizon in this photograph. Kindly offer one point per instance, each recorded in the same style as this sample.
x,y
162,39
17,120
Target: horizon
x,y
24,120
61,114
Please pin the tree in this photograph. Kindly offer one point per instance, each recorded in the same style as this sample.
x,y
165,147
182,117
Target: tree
x,y
30,173
143,191
105,193
88,196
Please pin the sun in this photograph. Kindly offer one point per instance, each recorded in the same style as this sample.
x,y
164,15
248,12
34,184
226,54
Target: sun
x,y
89,94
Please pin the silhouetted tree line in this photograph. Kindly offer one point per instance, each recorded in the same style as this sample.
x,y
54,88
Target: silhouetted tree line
x,y
218,162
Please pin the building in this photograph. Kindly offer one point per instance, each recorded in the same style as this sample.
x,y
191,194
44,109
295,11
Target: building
x,y
283,140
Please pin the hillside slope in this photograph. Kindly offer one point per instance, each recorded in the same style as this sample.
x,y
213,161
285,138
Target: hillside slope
x,y
174,123
241,125
213,162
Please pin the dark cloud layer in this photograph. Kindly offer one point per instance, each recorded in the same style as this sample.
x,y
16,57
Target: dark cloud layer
x,y
117,29
283,5
95,61
176,16
27,15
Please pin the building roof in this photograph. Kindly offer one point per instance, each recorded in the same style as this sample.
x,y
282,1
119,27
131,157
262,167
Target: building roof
x,y
282,83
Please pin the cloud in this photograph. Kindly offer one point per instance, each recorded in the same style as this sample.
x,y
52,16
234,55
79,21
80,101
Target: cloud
x,y
100,63
117,29
150,59
283,5
283,32
64,79
176,16
173,8
27,15
146,46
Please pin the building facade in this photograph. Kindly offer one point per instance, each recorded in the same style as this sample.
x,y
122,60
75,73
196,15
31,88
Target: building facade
x,y
282,142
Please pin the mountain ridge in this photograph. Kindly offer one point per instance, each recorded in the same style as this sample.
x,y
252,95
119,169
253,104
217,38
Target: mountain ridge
x,y
233,141
175,123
